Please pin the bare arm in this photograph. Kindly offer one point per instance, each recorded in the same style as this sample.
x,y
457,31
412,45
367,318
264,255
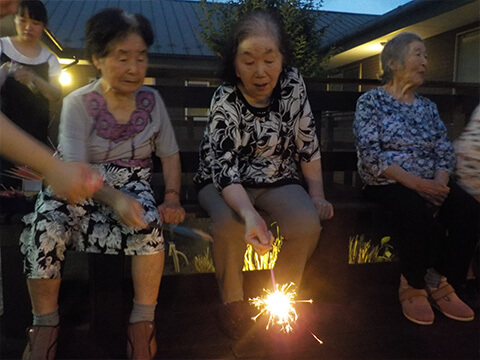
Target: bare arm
x,y
73,181
312,172
171,210
256,231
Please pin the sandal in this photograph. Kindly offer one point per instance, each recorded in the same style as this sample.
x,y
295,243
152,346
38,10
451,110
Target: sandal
x,y
141,342
415,305
448,303
42,343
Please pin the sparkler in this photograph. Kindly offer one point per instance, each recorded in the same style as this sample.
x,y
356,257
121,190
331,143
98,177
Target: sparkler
x,y
279,305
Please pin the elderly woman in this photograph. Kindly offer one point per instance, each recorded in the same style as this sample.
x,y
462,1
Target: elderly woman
x,y
260,133
405,160
116,124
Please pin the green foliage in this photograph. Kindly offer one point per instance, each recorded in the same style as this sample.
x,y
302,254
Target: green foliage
x,y
299,21
361,251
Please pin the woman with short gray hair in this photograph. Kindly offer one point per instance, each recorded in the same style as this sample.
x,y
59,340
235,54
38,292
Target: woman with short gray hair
x,y
406,161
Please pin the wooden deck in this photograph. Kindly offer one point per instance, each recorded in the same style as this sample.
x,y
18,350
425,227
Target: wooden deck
x,y
359,319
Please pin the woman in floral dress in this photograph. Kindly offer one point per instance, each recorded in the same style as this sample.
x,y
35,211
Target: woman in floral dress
x,y
406,161
115,124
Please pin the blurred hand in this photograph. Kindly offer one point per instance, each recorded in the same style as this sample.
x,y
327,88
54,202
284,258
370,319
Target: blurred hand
x,y
258,235
129,211
23,75
324,208
171,212
73,181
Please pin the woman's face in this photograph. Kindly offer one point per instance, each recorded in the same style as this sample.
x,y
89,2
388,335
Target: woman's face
x,y
258,64
124,68
414,65
29,30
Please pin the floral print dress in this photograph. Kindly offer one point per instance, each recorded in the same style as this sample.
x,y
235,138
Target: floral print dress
x,y
56,226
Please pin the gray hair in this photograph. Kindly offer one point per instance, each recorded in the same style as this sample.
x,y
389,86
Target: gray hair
x,y
395,50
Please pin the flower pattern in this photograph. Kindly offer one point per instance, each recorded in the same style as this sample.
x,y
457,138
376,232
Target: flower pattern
x,y
240,146
56,226
412,135
105,124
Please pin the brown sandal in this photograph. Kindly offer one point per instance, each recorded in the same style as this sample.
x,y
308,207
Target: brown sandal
x,y
42,343
141,342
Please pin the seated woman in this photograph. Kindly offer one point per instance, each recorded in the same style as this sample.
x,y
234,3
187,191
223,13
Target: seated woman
x,y
116,124
260,133
406,162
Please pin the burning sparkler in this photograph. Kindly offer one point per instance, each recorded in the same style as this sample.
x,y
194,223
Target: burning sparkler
x,y
279,305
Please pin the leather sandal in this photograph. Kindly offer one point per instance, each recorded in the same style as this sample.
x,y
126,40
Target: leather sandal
x,y
141,342
42,343
448,303
415,305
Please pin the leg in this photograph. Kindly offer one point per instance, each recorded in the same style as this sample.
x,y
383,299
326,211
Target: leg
x,y
416,226
460,215
298,222
146,275
228,245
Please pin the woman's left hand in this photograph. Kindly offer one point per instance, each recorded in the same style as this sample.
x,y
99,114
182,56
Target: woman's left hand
x,y
171,212
324,208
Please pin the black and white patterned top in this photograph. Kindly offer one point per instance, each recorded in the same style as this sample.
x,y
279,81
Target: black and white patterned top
x,y
258,147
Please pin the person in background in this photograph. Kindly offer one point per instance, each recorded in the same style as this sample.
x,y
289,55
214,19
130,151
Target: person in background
x,y
28,76
116,124
406,161
73,181
260,134
467,148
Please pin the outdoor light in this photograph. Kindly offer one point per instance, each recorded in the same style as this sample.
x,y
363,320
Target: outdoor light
x,y
65,78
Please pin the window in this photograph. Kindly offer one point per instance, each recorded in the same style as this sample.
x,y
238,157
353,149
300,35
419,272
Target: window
x,y
467,61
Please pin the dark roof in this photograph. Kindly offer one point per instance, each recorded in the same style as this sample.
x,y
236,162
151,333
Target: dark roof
x,y
175,22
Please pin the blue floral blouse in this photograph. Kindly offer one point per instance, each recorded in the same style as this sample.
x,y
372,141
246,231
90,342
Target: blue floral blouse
x,y
412,135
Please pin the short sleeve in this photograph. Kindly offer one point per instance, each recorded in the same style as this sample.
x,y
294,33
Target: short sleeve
x,y
165,140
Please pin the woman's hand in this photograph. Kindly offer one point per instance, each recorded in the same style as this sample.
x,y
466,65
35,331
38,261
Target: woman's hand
x,y
24,76
129,210
324,208
434,191
171,210
257,234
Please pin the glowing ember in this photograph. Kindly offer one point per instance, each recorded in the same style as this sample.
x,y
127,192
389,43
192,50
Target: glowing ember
x,y
279,305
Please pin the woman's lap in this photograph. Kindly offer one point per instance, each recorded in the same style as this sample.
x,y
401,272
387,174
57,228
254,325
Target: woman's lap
x,y
56,226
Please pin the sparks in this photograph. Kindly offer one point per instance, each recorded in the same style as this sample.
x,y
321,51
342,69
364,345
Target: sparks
x,y
279,305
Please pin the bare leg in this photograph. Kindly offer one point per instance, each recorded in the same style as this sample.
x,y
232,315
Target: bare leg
x,y
146,274
43,294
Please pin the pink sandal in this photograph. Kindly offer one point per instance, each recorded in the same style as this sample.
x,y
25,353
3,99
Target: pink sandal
x,y
448,303
415,305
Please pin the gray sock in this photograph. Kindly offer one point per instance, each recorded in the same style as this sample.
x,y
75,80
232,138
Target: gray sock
x,y
142,312
432,278
50,319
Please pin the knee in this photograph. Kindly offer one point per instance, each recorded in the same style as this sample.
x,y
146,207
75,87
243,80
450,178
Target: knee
x,y
306,228
225,226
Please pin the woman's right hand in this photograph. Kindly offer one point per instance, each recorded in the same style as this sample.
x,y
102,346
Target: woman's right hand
x,y
434,191
129,210
257,234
